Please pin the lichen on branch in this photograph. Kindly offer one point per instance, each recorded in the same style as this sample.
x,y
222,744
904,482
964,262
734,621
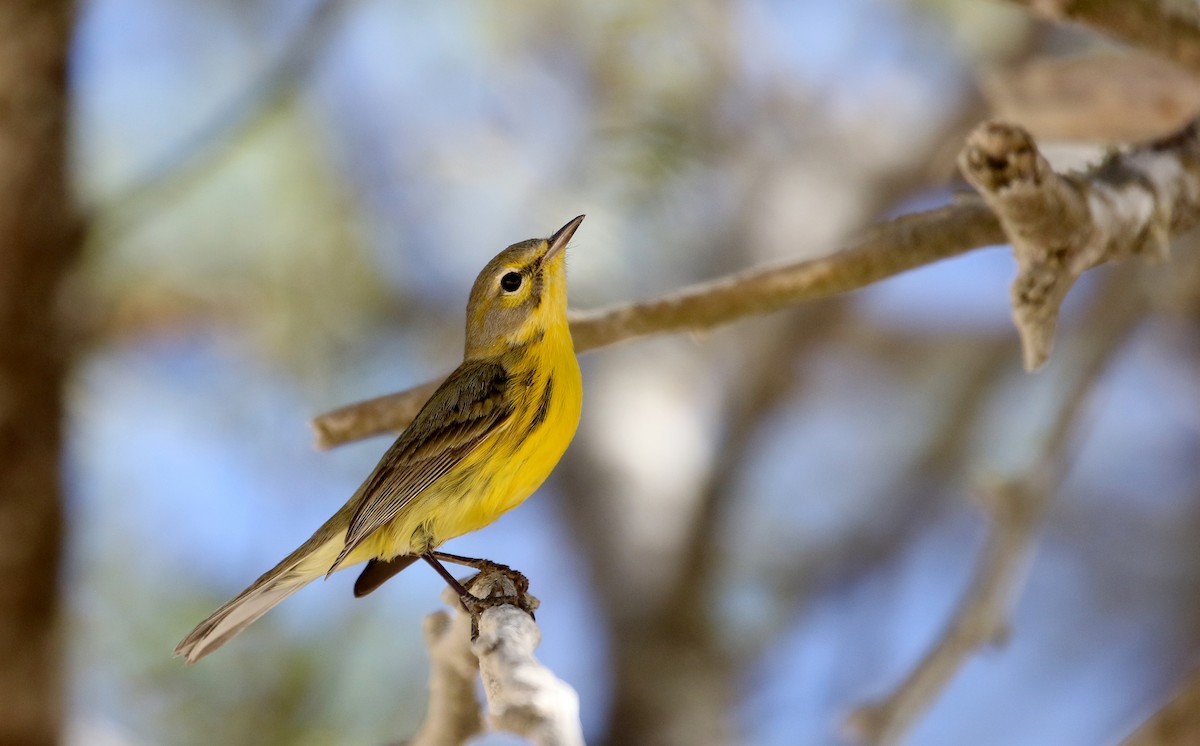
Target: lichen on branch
x,y
523,696
1061,225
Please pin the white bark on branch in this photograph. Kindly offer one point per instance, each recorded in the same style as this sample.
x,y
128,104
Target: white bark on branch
x,y
1061,225
523,696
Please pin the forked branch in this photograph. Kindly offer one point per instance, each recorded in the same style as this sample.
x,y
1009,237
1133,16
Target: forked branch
x,y
523,696
1061,225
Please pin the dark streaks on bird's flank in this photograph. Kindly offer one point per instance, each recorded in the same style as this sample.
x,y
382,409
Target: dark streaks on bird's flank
x,y
543,407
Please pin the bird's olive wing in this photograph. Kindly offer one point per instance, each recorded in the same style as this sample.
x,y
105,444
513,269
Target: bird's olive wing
x,y
468,407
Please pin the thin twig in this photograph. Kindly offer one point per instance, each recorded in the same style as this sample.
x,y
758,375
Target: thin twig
x,y
1015,509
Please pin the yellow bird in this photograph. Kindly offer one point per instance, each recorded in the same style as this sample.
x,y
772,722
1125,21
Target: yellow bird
x,y
485,440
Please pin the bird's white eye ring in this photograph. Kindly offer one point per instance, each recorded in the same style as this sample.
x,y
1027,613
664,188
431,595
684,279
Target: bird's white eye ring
x,y
510,282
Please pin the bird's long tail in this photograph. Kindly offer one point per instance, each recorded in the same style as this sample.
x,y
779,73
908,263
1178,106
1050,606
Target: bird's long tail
x,y
309,562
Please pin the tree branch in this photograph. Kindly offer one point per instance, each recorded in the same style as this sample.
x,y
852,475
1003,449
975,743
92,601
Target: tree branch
x,y
195,153
1170,28
1062,225
1101,97
454,714
769,379
1015,508
1178,722
891,248
523,696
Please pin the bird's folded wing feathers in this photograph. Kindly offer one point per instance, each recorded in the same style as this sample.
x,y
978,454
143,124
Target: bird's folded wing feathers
x,y
467,408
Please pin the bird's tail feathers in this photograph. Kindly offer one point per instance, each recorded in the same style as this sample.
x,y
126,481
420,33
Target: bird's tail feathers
x,y
296,570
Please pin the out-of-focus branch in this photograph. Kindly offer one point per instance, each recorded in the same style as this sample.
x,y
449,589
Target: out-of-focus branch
x,y
1014,511
1061,225
523,696
1102,97
1177,723
889,249
1170,28
454,714
1015,508
178,169
770,378
919,491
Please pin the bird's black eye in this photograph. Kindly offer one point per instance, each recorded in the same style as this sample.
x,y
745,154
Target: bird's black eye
x,y
510,282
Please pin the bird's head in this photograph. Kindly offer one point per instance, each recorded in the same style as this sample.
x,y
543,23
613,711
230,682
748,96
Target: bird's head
x,y
519,295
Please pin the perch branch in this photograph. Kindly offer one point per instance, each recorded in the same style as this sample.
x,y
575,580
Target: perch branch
x,y
891,248
1061,225
1170,28
1015,508
523,696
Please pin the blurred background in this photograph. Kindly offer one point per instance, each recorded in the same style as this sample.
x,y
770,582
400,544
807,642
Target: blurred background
x,y
287,203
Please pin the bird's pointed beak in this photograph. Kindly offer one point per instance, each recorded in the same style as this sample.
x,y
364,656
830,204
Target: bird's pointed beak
x,y
558,242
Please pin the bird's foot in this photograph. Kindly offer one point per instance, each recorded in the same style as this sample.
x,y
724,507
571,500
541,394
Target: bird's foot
x,y
504,586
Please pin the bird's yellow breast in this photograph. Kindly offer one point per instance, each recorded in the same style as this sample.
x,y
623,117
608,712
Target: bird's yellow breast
x,y
508,466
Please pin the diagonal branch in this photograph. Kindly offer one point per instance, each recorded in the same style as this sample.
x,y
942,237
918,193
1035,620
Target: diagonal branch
x,y
1015,509
1062,225
1170,28
891,248
199,150
897,246
1178,722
